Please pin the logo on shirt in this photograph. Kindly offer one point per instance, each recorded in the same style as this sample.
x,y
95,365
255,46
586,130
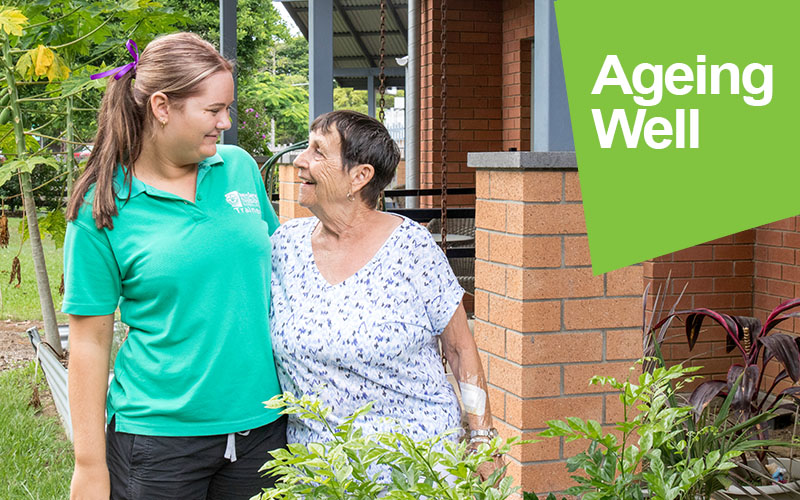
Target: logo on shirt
x,y
243,203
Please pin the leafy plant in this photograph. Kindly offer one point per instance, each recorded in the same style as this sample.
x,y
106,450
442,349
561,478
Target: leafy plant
x,y
355,465
758,346
660,448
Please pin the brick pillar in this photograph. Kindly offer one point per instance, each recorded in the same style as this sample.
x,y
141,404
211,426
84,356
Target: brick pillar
x,y
288,187
543,324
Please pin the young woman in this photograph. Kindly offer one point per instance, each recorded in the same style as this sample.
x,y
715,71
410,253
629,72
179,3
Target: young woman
x,y
175,231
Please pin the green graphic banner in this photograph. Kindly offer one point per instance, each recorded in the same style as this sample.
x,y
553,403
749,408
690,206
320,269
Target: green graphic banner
x,y
685,118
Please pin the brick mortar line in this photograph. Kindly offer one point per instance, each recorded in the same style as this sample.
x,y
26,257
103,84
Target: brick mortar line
x,y
538,235
587,297
552,365
557,332
539,268
534,203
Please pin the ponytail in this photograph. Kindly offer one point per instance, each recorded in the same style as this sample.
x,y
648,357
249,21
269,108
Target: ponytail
x,y
120,126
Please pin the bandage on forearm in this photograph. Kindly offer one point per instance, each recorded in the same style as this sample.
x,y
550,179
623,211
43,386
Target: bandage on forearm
x,y
474,398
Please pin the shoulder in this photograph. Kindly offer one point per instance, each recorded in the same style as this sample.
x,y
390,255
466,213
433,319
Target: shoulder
x,y
294,228
85,218
416,234
84,224
236,160
231,153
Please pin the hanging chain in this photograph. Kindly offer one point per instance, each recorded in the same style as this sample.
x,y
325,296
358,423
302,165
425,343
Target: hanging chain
x,y
382,88
443,110
382,75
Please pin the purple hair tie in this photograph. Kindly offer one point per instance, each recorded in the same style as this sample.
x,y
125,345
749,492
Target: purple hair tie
x,y
134,50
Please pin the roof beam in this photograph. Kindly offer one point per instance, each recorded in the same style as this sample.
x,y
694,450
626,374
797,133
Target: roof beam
x,y
398,20
338,5
297,21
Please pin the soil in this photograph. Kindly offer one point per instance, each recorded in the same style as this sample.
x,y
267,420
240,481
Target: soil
x,y
15,347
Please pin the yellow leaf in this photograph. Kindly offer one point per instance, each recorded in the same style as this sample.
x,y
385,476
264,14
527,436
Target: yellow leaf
x,y
58,70
42,60
12,20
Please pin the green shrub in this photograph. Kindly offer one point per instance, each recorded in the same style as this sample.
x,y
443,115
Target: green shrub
x,y
352,463
662,448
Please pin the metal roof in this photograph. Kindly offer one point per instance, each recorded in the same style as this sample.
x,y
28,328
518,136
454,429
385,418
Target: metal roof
x,y
356,36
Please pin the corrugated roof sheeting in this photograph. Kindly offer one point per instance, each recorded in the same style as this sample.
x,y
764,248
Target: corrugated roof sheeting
x,y
364,16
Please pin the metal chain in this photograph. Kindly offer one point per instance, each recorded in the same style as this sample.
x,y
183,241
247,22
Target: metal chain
x,y
382,88
382,75
443,110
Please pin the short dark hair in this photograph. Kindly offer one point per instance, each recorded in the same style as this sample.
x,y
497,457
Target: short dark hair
x,y
363,140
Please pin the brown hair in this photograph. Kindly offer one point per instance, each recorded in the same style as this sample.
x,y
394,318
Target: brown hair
x,y
363,140
174,64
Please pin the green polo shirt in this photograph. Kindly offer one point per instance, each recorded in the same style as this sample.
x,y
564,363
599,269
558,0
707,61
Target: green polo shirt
x,y
192,280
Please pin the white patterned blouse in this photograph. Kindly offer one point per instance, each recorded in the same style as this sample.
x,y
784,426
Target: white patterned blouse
x,y
372,337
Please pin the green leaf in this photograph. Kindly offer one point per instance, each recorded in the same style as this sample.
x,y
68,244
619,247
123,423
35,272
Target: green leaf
x,y
54,224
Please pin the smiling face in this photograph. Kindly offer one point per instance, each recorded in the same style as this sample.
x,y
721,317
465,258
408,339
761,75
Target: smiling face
x,y
194,124
325,182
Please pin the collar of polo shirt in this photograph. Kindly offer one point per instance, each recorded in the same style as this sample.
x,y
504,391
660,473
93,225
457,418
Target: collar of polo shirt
x,y
137,187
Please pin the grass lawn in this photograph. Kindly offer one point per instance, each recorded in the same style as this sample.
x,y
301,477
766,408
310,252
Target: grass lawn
x,y
36,458
23,303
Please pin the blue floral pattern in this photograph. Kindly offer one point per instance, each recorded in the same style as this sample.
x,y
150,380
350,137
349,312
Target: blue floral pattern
x,y
372,337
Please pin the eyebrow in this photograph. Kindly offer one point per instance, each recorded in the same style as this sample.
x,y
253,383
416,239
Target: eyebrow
x,y
218,104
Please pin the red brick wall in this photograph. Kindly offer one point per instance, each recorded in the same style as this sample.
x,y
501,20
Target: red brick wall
x,y
717,275
517,37
473,90
488,85
777,273
747,274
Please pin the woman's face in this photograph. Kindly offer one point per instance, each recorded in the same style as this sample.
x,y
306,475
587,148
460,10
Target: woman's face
x,y
324,179
195,124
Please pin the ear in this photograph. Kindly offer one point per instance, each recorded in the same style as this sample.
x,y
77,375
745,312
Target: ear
x,y
159,105
360,175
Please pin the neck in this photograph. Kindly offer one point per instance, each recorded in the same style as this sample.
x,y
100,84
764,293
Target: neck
x,y
344,221
153,163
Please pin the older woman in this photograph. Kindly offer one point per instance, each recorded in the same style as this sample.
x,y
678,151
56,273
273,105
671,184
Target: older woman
x,y
361,297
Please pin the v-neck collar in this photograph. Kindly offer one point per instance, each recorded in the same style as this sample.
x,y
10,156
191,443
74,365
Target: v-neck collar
x,y
369,264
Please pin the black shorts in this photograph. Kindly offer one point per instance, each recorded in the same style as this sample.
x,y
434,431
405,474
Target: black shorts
x,y
190,468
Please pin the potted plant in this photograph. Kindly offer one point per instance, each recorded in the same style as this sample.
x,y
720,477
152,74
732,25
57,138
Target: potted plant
x,y
746,387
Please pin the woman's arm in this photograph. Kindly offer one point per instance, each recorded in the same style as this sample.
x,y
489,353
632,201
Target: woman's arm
x,y
461,353
89,348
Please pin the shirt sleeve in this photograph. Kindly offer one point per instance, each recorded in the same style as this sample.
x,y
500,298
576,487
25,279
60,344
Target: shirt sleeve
x,y
92,283
436,283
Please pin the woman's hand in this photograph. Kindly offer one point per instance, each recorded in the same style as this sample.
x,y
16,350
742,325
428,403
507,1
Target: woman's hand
x,y
90,482
486,469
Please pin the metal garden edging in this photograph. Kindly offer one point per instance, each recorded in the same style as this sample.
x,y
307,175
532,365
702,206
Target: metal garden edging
x,y
56,375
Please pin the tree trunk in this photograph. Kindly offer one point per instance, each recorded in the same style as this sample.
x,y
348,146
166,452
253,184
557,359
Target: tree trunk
x,y
42,282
